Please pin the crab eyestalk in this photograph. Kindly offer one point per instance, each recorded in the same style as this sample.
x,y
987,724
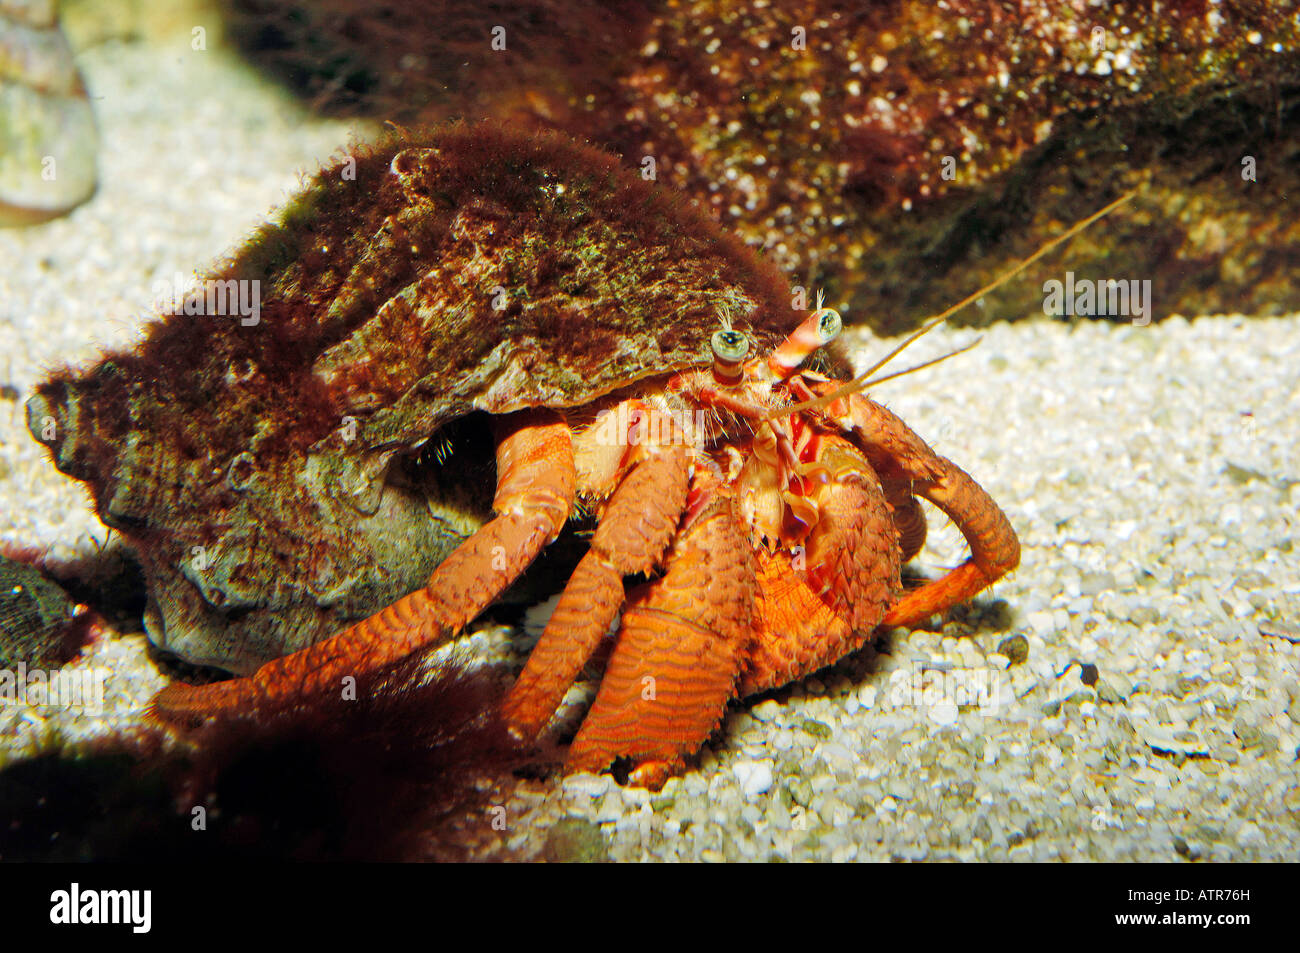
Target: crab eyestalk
x,y
817,330
730,349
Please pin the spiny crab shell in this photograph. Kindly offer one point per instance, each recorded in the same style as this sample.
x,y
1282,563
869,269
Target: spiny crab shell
x,y
268,464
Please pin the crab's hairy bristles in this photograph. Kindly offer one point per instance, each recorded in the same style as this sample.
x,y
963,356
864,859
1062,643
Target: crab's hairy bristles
x,y
817,330
864,379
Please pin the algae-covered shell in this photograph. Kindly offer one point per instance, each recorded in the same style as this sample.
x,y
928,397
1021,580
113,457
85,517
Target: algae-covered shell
x,y
261,449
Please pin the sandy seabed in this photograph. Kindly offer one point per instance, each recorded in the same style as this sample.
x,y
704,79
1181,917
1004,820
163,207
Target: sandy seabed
x,y
1150,472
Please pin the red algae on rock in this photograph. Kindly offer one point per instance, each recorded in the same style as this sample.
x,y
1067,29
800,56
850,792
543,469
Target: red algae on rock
x,y
902,153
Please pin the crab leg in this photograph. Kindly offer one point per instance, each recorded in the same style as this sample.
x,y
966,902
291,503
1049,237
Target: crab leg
x,y
899,454
679,651
535,491
795,632
636,527
909,520
810,617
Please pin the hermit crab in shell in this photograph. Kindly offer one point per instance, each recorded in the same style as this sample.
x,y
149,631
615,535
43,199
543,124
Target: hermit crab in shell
x,y
772,537
751,510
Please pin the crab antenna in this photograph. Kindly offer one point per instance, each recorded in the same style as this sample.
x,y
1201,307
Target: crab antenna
x,y
923,365
862,380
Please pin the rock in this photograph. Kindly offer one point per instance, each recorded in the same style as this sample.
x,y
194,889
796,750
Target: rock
x,y
1015,648
944,713
837,757
1172,739
1249,735
1108,694
1243,475
818,729
1250,835
799,791
589,786
766,711
1276,629
1095,583
1043,623
611,808
1144,615
753,777
575,840
920,138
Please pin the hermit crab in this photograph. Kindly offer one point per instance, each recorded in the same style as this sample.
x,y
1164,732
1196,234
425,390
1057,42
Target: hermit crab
x,y
633,366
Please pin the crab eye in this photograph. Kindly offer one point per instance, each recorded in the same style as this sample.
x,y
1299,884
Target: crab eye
x,y
829,326
730,346
729,349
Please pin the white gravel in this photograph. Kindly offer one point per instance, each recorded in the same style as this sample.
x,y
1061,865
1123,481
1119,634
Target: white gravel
x,y
1150,473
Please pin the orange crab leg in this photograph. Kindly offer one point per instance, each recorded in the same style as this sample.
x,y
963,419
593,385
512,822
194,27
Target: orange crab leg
x,y
909,519
898,454
995,550
795,632
636,527
535,491
679,651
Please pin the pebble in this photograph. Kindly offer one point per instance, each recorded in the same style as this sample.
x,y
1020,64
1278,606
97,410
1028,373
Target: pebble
x,y
586,785
818,729
837,757
1043,623
753,777
1015,649
1145,615
1108,694
767,711
611,808
1272,628
944,713
1250,736
1250,836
